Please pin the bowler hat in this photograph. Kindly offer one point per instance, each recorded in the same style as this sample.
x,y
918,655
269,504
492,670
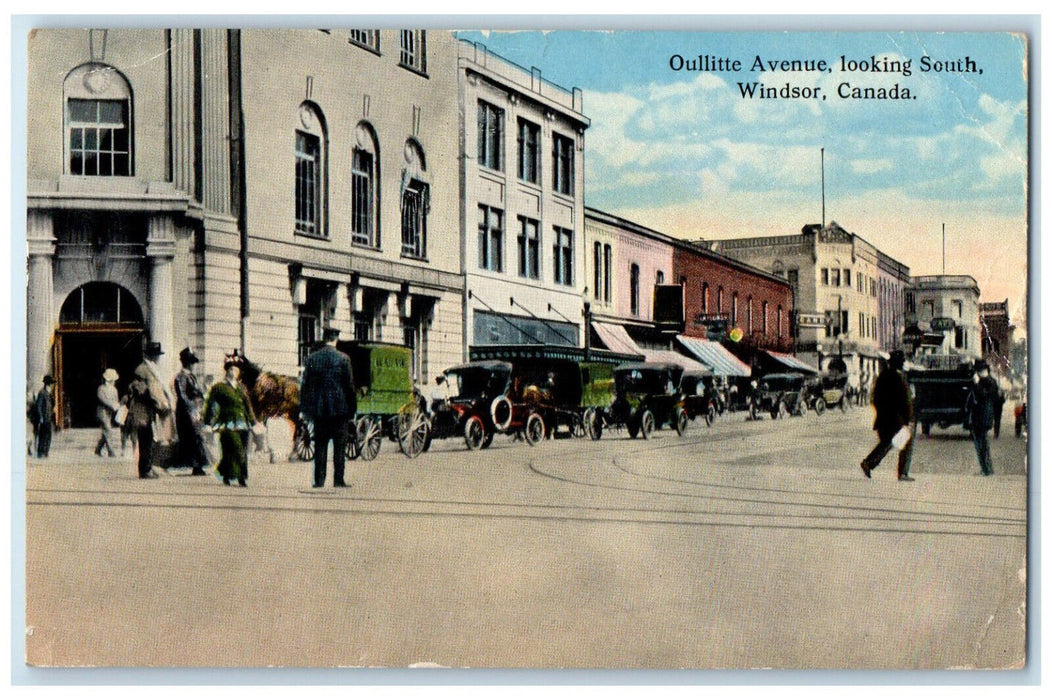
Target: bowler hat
x,y
330,333
187,356
48,380
981,365
152,349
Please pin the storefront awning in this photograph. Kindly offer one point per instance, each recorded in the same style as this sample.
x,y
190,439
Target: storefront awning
x,y
616,338
673,357
791,363
714,356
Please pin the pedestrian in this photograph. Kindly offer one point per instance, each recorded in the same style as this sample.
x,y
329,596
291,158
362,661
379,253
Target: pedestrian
x,y
109,403
228,411
327,399
1020,418
894,409
189,400
147,404
42,415
980,407
999,407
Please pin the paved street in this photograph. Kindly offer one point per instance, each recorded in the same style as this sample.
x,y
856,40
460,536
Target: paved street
x,y
742,545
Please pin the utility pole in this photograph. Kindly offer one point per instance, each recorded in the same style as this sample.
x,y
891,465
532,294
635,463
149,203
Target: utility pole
x,y
944,248
823,188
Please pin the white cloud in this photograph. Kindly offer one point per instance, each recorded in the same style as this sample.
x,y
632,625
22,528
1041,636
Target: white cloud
x,y
870,166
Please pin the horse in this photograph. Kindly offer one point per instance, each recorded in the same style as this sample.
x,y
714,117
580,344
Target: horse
x,y
272,396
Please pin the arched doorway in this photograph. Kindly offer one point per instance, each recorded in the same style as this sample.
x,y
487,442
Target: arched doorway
x,y
100,326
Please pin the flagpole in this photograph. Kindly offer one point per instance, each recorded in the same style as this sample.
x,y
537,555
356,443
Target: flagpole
x,y
823,188
944,248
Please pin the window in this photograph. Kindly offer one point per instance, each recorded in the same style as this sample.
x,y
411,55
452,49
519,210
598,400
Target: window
x,y
748,312
958,308
704,297
734,309
597,271
98,132
307,335
412,53
793,276
843,321
660,278
529,248
608,271
778,326
491,238
562,164
834,277
563,255
862,324
491,136
367,38
960,340
847,277
100,302
633,285
861,283
825,276
765,318
365,219
928,307
719,300
414,220
308,184
529,145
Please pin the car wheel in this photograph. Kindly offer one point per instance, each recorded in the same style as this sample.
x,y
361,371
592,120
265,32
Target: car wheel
x,y
681,421
593,423
474,432
710,415
370,436
754,412
646,424
488,440
534,429
820,406
781,410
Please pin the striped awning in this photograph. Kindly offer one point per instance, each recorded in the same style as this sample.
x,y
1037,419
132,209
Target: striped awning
x,y
673,357
791,362
616,338
717,358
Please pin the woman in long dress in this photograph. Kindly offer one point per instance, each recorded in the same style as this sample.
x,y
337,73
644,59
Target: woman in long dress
x,y
228,411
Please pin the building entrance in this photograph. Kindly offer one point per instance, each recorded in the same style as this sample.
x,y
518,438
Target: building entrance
x,y
100,327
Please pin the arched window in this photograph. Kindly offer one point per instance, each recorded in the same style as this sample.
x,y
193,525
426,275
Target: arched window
x,y
719,300
704,297
365,192
415,201
734,309
100,303
311,148
98,122
633,281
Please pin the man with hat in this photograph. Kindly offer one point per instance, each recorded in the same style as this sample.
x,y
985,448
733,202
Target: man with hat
x,y
980,407
147,403
894,408
109,402
189,399
327,399
42,415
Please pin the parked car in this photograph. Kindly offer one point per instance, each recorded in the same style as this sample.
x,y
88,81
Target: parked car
x,y
940,395
779,395
465,409
647,396
701,396
830,391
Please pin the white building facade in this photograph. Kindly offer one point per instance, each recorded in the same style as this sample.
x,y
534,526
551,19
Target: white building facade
x,y
945,309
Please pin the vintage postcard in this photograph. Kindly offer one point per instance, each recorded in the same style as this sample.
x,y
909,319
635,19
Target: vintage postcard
x,y
399,347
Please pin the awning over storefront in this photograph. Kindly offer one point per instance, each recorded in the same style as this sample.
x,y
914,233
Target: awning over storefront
x,y
714,356
791,363
616,338
674,357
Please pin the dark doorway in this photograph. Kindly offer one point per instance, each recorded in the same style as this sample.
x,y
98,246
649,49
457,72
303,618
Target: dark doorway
x,y
82,358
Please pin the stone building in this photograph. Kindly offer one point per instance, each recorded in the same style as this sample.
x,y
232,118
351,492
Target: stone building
x,y
998,336
945,311
523,203
226,189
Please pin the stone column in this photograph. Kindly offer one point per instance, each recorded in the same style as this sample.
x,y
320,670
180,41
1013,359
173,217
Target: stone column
x,y
40,290
160,251
342,316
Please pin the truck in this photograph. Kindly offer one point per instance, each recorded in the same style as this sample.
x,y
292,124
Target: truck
x,y
940,387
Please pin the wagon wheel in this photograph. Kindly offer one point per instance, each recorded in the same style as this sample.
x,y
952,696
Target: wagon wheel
x,y
413,433
577,426
474,433
681,421
633,427
710,415
593,423
370,435
303,442
844,404
780,410
534,430
801,406
820,405
351,449
646,424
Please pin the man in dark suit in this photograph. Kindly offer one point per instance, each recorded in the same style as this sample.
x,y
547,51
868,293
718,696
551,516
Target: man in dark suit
x,y
327,399
894,407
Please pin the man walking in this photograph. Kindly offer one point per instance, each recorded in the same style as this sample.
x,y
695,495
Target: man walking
x,y
108,403
147,402
327,400
894,407
189,400
980,405
42,415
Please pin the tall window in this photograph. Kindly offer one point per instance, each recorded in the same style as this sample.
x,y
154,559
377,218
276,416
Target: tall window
x,y
529,146
491,136
834,277
704,297
734,309
369,38
597,271
748,313
414,220
562,164
719,300
412,53
847,277
660,277
608,272
633,282
778,327
765,318
563,255
98,131
529,248
365,220
308,184
491,238
825,276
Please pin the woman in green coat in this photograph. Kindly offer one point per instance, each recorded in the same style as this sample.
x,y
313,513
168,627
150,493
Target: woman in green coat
x,y
228,411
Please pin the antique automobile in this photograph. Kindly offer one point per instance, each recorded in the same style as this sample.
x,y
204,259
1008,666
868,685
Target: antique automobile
x,y
779,395
646,397
464,408
701,396
940,394
828,391
384,388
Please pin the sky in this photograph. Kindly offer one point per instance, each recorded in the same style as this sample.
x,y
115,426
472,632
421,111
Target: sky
x,y
683,152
